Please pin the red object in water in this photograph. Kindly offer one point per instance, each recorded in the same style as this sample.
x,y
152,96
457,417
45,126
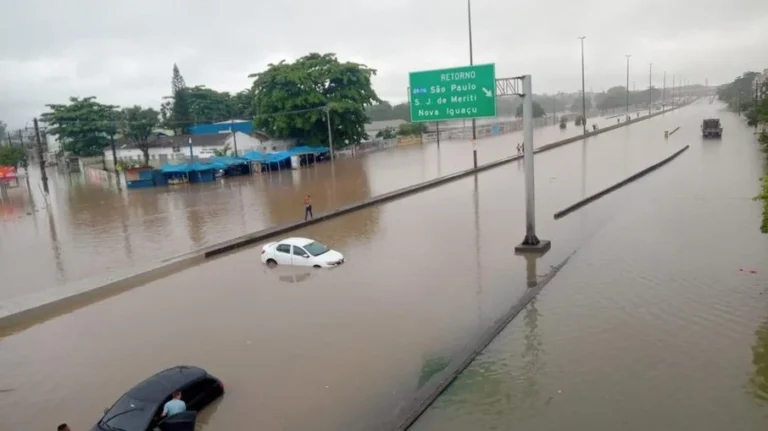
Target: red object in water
x,y
7,173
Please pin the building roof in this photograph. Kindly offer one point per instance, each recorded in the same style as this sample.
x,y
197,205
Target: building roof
x,y
161,141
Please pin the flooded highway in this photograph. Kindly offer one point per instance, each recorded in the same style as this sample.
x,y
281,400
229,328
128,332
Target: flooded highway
x,y
92,230
343,349
660,321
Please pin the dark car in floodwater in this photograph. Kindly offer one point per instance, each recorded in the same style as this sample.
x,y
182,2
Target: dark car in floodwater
x,y
140,408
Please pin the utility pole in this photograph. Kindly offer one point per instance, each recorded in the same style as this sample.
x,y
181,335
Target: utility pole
x,y
40,156
330,135
583,93
650,87
673,90
664,92
471,62
628,57
554,112
234,133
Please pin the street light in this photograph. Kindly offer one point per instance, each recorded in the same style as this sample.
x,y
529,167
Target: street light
x,y
650,87
628,57
471,62
583,94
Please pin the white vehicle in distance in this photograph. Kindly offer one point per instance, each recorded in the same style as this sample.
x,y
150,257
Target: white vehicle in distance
x,y
300,252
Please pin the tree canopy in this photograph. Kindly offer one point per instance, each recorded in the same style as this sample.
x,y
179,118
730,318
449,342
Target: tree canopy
x,y
616,97
12,155
290,99
385,111
742,88
576,105
176,110
137,124
538,111
84,126
411,129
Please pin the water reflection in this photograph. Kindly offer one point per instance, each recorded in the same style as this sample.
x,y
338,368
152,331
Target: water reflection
x,y
759,379
55,246
500,382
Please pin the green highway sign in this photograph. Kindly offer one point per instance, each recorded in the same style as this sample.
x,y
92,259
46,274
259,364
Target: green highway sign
x,y
453,94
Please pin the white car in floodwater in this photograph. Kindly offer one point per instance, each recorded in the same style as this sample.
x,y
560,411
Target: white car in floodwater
x,y
300,252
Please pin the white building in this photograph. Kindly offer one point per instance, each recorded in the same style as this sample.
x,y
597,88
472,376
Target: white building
x,y
170,149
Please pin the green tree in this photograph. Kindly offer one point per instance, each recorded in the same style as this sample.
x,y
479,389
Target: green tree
x,y
84,126
12,156
387,133
224,151
3,130
538,111
741,89
176,110
380,111
291,99
138,125
576,105
411,129
242,105
210,106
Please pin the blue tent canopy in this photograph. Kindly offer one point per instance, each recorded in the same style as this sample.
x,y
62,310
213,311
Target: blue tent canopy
x,y
227,161
256,156
307,150
189,167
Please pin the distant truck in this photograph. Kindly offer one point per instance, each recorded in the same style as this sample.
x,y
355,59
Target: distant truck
x,y
710,128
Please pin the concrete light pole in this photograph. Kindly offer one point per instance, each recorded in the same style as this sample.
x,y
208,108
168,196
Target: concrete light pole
x,y
531,243
650,87
471,62
583,93
628,57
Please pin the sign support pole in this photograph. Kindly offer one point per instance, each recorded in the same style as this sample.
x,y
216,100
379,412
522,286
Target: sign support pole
x,y
531,243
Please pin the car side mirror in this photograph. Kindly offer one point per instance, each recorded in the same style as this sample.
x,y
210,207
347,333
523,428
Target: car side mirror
x,y
306,256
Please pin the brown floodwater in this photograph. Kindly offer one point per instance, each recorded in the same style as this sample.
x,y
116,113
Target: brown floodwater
x,y
86,229
658,322
321,350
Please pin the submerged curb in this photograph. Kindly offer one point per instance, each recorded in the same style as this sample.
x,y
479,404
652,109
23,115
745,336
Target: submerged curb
x,y
440,382
562,213
21,313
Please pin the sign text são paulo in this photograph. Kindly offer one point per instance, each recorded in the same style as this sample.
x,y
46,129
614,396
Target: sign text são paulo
x,y
453,94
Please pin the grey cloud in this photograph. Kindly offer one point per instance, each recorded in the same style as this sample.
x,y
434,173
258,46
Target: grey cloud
x,y
123,52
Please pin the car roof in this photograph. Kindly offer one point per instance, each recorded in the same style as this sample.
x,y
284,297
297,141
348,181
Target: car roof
x,y
137,406
297,241
159,386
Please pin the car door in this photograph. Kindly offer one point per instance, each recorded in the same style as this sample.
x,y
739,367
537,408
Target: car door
x,y
301,257
283,254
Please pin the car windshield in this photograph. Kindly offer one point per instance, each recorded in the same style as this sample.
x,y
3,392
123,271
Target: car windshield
x,y
316,248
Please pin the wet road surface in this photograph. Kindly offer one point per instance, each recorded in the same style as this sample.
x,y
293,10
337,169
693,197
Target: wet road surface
x,y
95,231
338,349
657,322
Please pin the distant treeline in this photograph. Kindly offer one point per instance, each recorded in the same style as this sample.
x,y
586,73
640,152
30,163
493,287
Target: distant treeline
x,y
614,97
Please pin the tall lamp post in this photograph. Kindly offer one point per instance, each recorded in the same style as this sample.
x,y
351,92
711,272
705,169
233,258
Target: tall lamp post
x,y
628,57
650,87
583,93
471,62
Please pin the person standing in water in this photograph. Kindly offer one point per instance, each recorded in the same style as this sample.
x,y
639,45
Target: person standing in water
x,y
308,207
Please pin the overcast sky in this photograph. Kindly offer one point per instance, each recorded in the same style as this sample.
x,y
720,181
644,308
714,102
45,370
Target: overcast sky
x,y
123,51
